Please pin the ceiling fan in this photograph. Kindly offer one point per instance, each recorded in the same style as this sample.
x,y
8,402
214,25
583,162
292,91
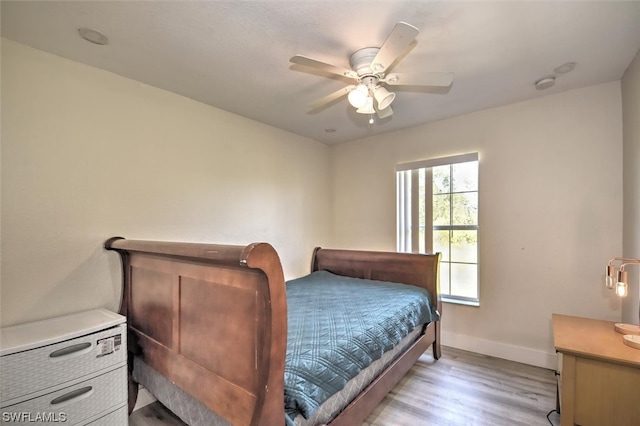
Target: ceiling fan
x,y
369,68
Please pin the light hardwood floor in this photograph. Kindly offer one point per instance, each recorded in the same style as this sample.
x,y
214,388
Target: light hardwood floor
x,y
461,388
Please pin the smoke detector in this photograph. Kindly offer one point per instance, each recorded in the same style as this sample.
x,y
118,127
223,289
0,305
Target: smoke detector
x,y
545,83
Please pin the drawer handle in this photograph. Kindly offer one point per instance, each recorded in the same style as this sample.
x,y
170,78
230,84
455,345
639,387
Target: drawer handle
x,y
72,350
73,396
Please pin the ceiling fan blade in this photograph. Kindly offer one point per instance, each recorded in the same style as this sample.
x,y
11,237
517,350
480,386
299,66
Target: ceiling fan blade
x,y
384,113
400,37
313,63
439,79
331,97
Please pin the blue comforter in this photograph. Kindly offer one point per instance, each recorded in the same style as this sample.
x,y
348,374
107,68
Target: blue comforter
x,y
339,325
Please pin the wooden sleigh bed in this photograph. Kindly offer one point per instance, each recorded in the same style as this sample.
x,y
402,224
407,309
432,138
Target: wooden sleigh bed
x,y
212,320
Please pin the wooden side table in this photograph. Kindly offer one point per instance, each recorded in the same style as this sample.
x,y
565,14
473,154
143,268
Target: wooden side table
x,y
599,380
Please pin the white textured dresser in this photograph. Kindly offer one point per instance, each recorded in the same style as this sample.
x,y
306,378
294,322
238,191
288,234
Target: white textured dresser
x,y
70,370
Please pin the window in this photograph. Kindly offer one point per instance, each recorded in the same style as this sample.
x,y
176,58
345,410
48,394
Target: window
x,y
437,202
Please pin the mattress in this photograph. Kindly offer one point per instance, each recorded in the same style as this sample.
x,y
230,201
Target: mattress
x,y
337,402
338,326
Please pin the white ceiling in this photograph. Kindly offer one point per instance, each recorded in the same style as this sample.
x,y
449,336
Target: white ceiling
x,y
235,54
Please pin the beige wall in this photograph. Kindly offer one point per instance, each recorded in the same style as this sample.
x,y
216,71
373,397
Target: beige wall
x,y
550,211
87,155
631,173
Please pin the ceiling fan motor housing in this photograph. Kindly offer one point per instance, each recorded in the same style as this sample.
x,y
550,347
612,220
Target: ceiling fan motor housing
x,y
361,61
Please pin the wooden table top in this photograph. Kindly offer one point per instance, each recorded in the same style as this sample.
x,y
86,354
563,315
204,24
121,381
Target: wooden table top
x,y
592,338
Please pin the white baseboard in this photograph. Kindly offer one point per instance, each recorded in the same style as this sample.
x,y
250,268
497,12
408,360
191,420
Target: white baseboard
x,y
501,350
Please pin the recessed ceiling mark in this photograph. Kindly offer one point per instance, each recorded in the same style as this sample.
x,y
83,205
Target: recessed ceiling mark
x,y
93,36
564,68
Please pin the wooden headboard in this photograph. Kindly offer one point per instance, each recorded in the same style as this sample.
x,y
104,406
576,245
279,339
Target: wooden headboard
x,y
235,367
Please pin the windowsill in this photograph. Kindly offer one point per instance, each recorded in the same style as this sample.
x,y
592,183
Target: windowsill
x,y
461,302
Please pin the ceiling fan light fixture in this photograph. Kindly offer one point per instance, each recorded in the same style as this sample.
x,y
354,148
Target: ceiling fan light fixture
x,y
369,71
367,108
358,96
384,97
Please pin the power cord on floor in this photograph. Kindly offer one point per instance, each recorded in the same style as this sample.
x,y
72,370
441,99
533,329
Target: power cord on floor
x,y
557,409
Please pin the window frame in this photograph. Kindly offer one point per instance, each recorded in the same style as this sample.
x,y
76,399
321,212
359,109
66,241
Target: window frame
x,y
408,237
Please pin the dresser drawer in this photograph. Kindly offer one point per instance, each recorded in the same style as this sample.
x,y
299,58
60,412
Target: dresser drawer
x,y
119,417
73,404
39,371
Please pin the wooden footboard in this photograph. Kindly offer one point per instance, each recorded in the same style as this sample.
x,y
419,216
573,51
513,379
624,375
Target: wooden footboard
x,y
212,319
